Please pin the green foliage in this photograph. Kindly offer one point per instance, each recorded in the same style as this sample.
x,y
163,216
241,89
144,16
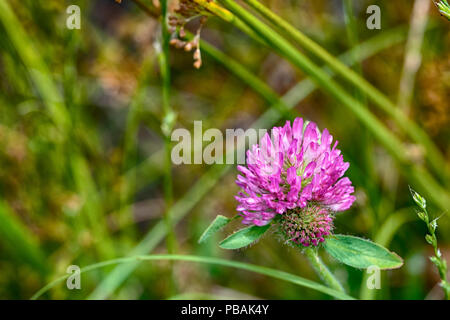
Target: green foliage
x,y
20,243
85,114
361,253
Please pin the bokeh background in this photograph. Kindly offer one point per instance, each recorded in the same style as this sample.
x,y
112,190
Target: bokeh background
x,y
93,190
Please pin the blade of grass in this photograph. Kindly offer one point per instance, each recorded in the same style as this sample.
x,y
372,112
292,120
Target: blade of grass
x,y
130,148
53,100
36,67
273,273
433,154
365,139
158,232
413,57
389,141
250,79
18,240
92,207
168,122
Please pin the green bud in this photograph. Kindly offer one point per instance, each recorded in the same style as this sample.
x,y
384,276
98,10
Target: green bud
x,y
418,199
422,216
429,239
436,261
445,285
433,225
168,123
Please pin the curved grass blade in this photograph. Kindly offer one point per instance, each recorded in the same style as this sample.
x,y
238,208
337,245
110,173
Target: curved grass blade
x,y
281,275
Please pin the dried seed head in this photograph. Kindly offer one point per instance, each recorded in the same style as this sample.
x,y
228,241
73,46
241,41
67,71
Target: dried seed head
x,y
186,11
197,64
188,46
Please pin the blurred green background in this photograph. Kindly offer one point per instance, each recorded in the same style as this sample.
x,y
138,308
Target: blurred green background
x,y
82,160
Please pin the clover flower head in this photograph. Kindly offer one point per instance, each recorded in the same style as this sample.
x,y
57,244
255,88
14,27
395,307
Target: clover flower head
x,y
297,178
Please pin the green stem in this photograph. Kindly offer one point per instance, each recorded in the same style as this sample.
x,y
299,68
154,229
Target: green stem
x,y
167,126
439,261
229,17
250,79
321,269
366,139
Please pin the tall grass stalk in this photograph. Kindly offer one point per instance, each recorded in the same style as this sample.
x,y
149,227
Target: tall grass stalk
x,y
433,154
168,122
383,135
416,173
413,55
365,139
19,242
130,145
36,67
438,260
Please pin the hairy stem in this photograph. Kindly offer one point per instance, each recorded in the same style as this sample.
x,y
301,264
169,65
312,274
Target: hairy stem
x,y
321,269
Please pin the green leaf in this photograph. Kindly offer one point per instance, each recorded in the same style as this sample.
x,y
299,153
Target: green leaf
x,y
215,226
361,253
243,237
